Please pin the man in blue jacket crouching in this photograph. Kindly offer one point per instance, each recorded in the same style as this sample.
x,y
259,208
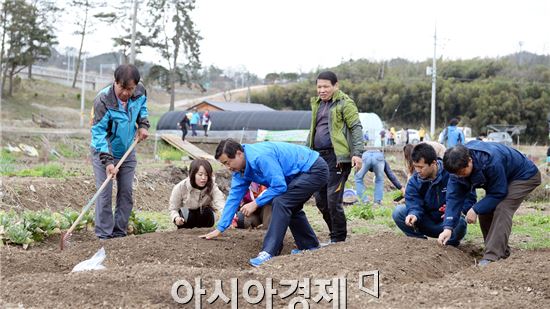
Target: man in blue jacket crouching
x,y
506,175
425,199
291,173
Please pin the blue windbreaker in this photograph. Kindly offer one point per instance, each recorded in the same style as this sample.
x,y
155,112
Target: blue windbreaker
x,y
494,167
424,197
113,128
452,137
272,164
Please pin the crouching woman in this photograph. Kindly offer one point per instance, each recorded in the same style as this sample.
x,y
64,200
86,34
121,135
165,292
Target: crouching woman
x,y
196,201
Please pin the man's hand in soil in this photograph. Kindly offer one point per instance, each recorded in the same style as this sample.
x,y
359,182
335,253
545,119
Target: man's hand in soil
x,y
179,221
444,236
142,134
471,216
249,209
410,220
111,170
215,233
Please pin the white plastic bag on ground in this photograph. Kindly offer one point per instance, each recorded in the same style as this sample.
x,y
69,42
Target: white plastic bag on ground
x,y
92,264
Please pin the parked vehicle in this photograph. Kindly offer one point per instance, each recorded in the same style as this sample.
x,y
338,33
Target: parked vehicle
x,y
500,137
414,138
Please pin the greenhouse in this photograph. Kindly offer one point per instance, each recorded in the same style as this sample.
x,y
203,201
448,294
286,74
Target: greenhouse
x,y
262,125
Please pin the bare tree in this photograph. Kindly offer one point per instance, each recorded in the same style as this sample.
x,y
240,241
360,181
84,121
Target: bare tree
x,y
172,32
23,40
83,10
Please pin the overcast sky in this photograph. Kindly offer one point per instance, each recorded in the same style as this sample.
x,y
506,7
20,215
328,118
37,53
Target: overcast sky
x,y
300,35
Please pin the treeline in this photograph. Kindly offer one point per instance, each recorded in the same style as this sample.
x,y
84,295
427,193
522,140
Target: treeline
x,y
510,90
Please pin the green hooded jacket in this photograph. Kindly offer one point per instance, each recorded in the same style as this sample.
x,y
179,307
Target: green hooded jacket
x,y
346,131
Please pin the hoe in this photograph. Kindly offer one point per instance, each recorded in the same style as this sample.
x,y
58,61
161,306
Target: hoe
x,y
65,237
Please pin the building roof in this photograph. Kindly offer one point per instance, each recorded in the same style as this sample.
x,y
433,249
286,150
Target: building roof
x,y
264,120
236,106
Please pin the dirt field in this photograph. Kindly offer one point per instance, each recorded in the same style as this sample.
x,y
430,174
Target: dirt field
x,y
142,269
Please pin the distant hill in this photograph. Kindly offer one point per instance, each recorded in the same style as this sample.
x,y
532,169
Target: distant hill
x,y
59,60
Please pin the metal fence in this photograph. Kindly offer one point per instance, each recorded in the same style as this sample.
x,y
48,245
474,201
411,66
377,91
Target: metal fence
x,y
93,81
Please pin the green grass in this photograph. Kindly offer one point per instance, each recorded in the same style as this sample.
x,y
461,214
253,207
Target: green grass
x,y
171,154
46,93
534,227
50,170
7,162
153,120
530,231
67,151
161,218
168,152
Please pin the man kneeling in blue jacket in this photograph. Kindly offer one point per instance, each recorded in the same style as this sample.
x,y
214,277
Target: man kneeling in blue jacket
x,y
506,175
422,214
291,173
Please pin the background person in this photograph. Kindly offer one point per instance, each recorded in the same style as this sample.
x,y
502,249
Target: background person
x,y
195,120
452,135
260,217
421,133
184,124
374,161
205,120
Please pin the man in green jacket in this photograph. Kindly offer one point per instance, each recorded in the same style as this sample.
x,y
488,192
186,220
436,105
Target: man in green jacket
x,y
336,133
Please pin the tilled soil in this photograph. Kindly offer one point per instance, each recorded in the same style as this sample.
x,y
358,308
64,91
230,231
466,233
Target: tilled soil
x,y
152,189
141,271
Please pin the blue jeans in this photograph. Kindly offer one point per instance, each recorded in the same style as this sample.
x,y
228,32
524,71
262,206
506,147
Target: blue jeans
x,y
427,227
372,160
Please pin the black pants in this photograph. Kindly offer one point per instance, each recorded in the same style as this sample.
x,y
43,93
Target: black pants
x,y
183,132
287,210
202,217
329,198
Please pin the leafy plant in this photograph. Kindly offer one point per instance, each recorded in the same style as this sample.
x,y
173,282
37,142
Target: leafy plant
x,y
18,234
41,224
360,211
396,195
71,216
7,218
140,225
38,225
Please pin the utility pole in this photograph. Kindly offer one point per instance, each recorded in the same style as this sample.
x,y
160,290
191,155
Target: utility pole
x,y
434,77
82,92
133,46
68,67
